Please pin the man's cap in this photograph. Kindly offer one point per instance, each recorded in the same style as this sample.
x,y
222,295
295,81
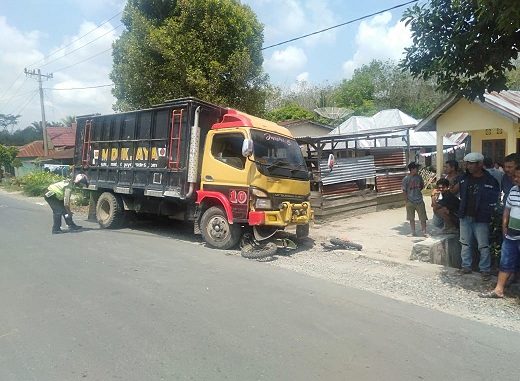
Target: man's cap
x,y
474,157
413,165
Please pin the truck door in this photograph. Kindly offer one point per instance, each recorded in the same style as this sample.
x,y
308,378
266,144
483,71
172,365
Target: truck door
x,y
225,170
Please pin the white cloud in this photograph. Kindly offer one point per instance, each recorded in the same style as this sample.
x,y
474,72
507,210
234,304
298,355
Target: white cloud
x,y
294,18
377,39
303,77
290,59
19,50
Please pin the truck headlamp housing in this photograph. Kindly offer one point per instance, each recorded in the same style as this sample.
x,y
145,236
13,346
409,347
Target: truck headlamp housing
x,y
259,193
263,203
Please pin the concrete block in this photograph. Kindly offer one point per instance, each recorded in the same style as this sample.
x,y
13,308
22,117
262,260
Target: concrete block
x,y
440,250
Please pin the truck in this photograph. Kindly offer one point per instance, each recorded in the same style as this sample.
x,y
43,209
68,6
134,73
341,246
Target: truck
x,y
227,172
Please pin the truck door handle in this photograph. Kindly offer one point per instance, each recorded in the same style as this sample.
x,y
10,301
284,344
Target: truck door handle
x,y
208,178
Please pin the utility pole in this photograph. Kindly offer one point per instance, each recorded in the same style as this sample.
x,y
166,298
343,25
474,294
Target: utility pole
x,y
37,73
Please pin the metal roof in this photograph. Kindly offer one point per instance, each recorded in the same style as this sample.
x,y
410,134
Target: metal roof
x,y
506,103
383,119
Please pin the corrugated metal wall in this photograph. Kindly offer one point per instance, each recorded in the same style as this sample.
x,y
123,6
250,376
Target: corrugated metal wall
x,y
348,169
390,169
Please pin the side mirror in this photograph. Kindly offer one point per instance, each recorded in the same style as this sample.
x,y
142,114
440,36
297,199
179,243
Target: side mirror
x,y
247,147
331,161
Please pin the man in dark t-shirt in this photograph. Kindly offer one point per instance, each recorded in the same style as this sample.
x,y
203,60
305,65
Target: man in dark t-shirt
x,y
445,207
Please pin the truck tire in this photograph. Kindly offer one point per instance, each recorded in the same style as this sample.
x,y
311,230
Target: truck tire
x,y
302,231
110,211
217,231
250,251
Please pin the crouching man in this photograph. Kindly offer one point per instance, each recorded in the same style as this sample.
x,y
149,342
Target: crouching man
x,y
58,198
445,207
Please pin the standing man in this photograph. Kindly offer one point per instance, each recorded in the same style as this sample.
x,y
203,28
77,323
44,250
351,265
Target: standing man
x,y
479,192
412,186
490,167
511,161
510,252
58,198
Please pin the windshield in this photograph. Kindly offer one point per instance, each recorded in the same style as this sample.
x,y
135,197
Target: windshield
x,y
278,156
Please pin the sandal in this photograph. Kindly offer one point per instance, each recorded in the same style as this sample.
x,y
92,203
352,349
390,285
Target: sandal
x,y
490,295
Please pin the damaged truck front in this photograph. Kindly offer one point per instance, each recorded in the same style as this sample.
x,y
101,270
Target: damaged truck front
x,y
223,170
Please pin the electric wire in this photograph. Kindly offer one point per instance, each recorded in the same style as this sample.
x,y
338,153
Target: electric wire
x,y
338,25
76,40
27,103
79,88
81,47
86,59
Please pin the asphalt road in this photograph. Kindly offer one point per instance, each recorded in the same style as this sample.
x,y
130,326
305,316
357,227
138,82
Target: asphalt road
x,y
137,305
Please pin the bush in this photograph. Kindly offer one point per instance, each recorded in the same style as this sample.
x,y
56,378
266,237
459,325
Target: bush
x,y
36,183
80,197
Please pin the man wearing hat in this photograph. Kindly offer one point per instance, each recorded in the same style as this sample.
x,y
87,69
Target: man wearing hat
x,y
58,198
479,192
412,186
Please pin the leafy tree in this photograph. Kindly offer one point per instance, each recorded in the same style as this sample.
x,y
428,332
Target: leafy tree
x,y
465,45
291,111
210,49
383,85
513,77
68,120
7,155
21,137
358,92
7,120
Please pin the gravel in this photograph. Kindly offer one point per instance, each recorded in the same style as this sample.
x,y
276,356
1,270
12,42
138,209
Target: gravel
x,y
426,285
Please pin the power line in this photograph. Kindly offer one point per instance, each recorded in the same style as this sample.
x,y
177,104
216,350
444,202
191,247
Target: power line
x,y
35,92
86,59
77,39
338,25
80,88
16,92
82,46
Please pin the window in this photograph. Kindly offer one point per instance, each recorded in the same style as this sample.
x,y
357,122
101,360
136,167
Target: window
x,y
227,148
495,149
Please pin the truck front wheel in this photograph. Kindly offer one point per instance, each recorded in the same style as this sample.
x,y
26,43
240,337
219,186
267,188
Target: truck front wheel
x,y
217,231
109,211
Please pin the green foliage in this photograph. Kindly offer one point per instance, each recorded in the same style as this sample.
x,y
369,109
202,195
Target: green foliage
x,y
80,197
7,120
513,77
383,85
21,137
209,49
466,46
289,112
7,155
36,183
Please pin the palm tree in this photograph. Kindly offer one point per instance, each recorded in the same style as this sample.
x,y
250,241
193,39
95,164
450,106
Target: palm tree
x,y
68,120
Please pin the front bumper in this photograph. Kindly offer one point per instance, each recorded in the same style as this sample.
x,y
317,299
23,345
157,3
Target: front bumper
x,y
288,214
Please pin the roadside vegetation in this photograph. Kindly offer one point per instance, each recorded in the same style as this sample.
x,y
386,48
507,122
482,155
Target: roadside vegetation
x,y
35,184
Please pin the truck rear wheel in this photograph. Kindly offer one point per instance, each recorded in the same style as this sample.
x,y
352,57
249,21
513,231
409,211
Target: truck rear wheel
x,y
217,231
110,211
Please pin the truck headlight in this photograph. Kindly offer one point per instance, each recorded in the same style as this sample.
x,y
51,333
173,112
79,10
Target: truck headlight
x,y
263,203
258,192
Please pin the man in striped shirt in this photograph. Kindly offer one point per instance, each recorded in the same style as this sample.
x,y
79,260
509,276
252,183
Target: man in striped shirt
x,y
510,253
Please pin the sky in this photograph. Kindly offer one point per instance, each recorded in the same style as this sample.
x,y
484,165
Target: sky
x,y
45,35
